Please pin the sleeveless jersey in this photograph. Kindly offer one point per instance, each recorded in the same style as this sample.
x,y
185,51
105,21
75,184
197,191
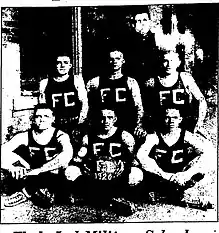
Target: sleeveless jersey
x,y
107,158
63,97
173,96
173,158
35,154
116,95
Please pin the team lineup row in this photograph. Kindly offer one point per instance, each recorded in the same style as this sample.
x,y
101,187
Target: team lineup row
x,y
126,141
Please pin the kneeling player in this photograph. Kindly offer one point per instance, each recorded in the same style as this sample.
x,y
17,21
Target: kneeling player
x,y
34,159
178,163
107,164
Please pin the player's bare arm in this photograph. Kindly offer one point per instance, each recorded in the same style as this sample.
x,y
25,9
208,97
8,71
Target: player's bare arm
x,y
128,140
200,164
82,96
9,157
60,160
192,87
42,88
134,87
148,163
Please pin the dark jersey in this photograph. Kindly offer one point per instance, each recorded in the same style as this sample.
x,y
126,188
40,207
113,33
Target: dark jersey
x,y
63,97
173,158
35,154
159,98
116,95
107,158
172,96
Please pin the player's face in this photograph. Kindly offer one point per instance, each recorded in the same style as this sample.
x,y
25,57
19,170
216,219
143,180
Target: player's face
x,y
108,119
172,118
63,65
43,119
171,62
142,23
116,60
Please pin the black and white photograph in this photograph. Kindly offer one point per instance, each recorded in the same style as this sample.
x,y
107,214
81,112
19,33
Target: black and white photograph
x,y
109,114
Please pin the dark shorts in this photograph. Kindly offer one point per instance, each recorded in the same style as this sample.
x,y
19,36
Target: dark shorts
x,y
97,190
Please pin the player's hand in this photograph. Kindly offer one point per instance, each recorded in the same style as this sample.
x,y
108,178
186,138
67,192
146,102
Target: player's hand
x,y
180,178
77,159
18,172
140,132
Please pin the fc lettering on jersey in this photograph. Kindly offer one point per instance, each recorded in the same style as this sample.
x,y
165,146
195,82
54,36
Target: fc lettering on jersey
x,y
33,150
175,155
114,149
119,94
175,94
65,96
174,158
48,151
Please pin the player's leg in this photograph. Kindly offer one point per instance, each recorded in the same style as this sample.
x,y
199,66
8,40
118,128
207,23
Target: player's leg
x,y
202,186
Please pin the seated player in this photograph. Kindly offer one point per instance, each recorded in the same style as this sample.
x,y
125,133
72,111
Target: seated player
x,y
119,91
178,163
35,159
107,164
179,88
66,94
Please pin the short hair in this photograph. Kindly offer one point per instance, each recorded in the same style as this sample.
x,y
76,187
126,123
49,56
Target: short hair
x,y
173,106
165,51
62,54
42,106
114,48
141,10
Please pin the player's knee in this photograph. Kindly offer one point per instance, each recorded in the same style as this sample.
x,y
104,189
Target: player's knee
x,y
135,176
72,172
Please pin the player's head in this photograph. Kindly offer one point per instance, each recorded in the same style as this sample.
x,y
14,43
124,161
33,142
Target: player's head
x,y
172,118
43,117
142,21
116,60
170,61
107,119
63,63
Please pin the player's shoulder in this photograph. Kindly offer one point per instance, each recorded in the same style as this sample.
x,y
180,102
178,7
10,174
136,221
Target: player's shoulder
x,y
190,136
61,134
152,138
186,77
44,82
132,82
127,137
125,134
77,77
21,137
93,83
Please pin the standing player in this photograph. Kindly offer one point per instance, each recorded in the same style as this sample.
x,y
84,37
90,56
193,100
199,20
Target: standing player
x,y
120,92
178,162
107,163
66,94
35,159
143,49
178,88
